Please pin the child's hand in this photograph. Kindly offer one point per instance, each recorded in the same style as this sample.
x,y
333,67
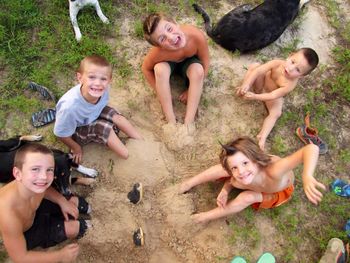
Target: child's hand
x,y
310,185
221,200
242,90
70,252
249,96
77,152
69,208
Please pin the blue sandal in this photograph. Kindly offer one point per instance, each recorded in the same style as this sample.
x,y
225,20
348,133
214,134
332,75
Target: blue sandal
x,y
347,228
341,188
43,117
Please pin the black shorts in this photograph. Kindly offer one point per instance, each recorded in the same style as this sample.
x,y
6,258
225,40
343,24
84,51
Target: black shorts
x,y
48,226
181,67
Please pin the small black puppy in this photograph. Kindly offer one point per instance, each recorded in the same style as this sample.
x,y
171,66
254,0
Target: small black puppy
x,y
63,163
247,29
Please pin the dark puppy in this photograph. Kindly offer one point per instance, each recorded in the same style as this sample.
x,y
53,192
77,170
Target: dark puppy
x,y
248,29
63,163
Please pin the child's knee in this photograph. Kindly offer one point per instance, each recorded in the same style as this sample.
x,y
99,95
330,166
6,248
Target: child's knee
x,y
71,228
275,114
162,70
250,197
195,72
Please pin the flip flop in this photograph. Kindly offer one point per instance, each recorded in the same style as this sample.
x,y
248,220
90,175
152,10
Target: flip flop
x,y
45,93
266,258
347,228
43,117
341,188
238,259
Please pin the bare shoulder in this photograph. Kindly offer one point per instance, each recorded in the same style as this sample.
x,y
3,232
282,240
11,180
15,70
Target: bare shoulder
x,y
193,32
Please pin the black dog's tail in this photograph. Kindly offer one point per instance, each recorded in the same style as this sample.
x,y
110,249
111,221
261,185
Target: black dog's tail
x,y
206,18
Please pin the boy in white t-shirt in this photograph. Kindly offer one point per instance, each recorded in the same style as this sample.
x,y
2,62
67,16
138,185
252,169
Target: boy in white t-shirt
x,y
82,114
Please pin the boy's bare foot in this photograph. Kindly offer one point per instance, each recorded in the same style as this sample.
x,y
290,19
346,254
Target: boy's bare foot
x,y
183,97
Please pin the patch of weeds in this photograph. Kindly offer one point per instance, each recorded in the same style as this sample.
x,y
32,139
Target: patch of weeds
x,y
332,8
341,83
287,118
133,105
290,47
138,29
279,146
247,231
343,161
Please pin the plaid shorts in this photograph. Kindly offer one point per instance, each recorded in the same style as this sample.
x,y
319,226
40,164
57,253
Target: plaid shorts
x,y
99,130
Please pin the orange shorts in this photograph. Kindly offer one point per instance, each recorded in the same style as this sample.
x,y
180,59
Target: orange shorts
x,y
275,199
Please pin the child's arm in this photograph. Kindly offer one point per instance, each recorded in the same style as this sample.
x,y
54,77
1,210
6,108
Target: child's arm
x,y
258,71
203,51
148,68
74,147
68,208
275,94
15,244
308,156
222,198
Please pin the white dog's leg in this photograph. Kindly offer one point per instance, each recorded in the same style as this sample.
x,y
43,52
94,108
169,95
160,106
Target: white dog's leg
x,y
31,138
73,12
302,3
100,14
87,171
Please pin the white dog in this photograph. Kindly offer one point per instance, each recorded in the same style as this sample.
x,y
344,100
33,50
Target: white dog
x,y
74,8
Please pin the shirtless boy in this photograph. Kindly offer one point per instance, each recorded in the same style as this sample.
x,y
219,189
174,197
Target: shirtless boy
x,y
273,80
266,181
176,47
33,214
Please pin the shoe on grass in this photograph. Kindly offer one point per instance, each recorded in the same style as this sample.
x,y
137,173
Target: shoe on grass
x,y
341,188
335,252
138,237
310,135
44,92
43,117
135,195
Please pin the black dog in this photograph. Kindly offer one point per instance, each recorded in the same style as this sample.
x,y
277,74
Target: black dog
x,y
63,163
248,29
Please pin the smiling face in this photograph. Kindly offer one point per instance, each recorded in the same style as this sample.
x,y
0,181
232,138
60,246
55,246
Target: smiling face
x,y
37,172
296,66
168,35
94,80
243,169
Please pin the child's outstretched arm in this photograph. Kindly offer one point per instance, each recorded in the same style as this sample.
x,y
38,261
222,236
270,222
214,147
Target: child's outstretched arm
x,y
308,156
250,78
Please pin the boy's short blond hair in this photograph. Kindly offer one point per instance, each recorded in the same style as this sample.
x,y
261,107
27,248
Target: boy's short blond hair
x,y
29,148
150,24
96,60
246,146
